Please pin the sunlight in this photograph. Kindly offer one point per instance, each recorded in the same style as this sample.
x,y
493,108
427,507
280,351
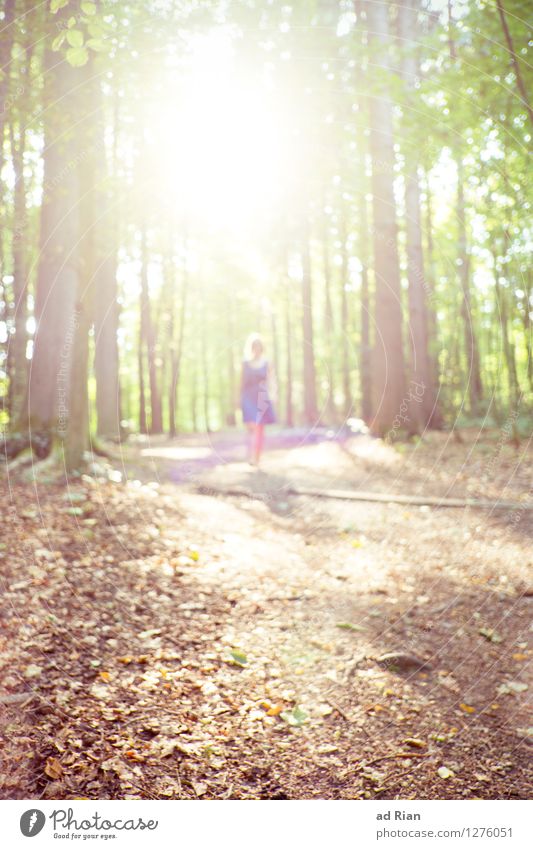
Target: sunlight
x,y
223,159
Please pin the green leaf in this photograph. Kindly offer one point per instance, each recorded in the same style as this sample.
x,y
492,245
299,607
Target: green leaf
x,y
75,37
96,44
77,56
95,29
88,8
56,5
74,511
58,41
349,626
296,717
239,657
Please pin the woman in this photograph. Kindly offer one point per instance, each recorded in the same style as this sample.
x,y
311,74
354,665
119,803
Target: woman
x,y
257,409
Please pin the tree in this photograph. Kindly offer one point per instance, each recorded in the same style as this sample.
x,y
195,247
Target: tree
x,y
388,359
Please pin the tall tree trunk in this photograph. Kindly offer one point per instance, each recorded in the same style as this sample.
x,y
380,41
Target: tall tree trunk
x,y
106,308
514,61
423,400
47,404
345,318
388,360
328,318
177,349
475,386
309,375
289,413
148,340
502,321
89,132
205,371
7,35
437,420
526,320
18,364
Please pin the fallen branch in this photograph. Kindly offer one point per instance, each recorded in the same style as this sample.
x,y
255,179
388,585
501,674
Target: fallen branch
x,y
377,497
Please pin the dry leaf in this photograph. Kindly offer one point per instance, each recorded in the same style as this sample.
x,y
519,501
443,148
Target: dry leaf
x,y
415,742
444,772
467,708
53,768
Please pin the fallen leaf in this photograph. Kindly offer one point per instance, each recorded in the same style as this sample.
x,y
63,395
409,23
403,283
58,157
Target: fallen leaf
x,y
491,635
467,708
415,742
32,671
349,626
444,772
239,657
512,687
53,768
199,788
105,676
132,755
296,717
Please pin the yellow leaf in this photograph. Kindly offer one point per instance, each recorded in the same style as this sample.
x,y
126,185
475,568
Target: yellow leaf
x,y
519,656
415,742
105,676
53,768
275,711
467,708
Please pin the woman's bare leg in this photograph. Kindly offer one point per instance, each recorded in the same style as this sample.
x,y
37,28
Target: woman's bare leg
x,y
258,441
250,426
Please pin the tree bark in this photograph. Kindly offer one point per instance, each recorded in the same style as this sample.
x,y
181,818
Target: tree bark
x,y
423,405
345,318
514,61
309,375
18,364
47,400
475,386
388,360
106,313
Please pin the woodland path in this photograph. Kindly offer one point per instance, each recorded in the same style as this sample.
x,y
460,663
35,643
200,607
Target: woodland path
x,y
170,644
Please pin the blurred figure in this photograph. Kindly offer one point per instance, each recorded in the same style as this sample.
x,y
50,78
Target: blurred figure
x,y
257,409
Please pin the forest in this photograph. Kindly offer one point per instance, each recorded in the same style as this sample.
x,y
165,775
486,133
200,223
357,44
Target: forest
x,y
350,180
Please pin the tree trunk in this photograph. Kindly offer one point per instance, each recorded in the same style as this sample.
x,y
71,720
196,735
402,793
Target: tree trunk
x,y
309,376
148,340
423,402
18,364
514,61
90,132
475,386
502,321
289,414
328,319
345,319
106,313
388,360
6,46
47,403
177,351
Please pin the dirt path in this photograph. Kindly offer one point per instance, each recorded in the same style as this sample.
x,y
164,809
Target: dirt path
x,y
176,645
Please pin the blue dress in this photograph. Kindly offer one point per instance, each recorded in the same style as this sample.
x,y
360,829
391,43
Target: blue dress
x,y
255,401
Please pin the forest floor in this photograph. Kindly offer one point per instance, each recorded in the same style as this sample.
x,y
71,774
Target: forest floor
x,y
158,641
